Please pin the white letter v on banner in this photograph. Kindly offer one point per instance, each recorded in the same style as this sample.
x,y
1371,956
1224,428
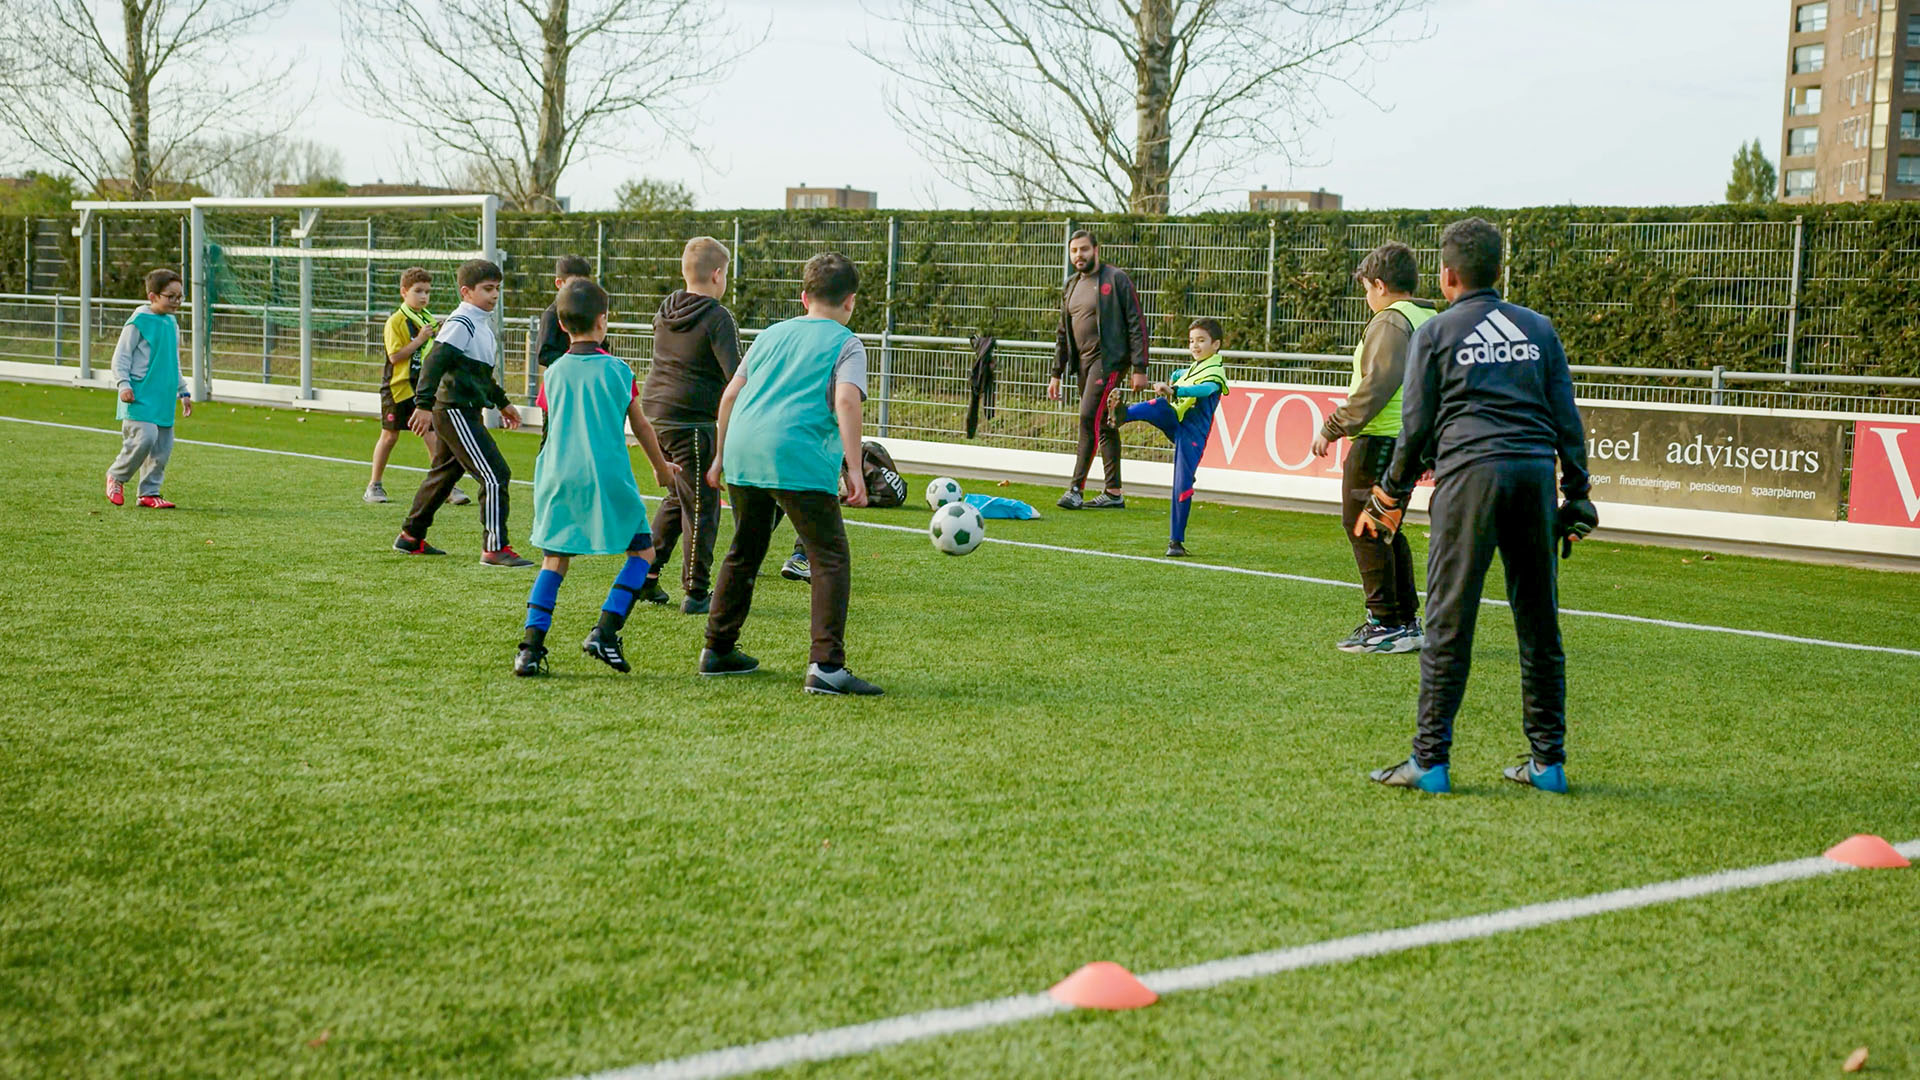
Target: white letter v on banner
x,y
1902,476
1230,441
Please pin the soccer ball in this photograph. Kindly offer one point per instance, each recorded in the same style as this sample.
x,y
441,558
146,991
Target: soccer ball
x,y
957,528
943,490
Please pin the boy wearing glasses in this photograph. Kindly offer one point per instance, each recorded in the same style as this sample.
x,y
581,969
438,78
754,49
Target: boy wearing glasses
x,y
146,370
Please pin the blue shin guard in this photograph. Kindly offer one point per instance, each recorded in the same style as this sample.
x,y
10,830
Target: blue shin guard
x,y
541,599
626,587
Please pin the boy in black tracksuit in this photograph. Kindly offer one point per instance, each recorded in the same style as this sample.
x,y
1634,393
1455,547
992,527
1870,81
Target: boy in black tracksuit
x,y
553,342
1488,405
696,349
457,382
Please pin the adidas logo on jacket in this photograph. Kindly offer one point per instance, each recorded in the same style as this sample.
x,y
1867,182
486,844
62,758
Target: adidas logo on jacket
x,y
1495,341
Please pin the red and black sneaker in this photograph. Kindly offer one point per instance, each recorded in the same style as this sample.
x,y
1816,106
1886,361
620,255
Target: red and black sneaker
x,y
407,545
506,556
155,502
116,492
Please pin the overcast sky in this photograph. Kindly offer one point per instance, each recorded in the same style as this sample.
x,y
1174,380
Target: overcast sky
x,y
1506,103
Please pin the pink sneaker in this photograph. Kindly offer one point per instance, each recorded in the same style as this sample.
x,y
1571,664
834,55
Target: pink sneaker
x,y
116,492
155,502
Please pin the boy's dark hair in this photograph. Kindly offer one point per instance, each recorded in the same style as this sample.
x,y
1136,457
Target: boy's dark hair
x,y
476,272
158,280
414,275
1392,263
1472,249
1080,233
579,306
830,278
1211,326
567,266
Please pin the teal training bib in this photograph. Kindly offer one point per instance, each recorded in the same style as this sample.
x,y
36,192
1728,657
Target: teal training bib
x,y
782,434
156,393
585,498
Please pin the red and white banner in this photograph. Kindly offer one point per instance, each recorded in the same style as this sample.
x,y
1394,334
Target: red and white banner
x,y
1270,429
1886,474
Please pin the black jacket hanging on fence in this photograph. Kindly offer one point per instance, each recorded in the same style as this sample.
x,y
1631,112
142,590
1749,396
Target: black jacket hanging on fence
x,y
980,382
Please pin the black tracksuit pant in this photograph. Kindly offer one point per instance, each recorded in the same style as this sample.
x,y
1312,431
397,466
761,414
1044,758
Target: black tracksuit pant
x,y
692,450
1505,505
816,517
1097,429
466,446
1386,566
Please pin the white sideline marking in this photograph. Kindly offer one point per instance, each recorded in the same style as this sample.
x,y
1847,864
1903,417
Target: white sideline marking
x,y
1705,628
864,1038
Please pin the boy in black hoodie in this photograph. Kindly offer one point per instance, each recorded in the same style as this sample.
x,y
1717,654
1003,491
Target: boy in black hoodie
x,y
696,347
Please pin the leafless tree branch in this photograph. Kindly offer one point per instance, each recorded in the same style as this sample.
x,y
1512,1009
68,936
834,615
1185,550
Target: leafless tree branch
x,y
1123,105
527,86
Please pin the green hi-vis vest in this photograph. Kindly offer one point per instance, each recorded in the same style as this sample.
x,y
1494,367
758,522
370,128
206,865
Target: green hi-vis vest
x,y
156,394
1388,422
1208,370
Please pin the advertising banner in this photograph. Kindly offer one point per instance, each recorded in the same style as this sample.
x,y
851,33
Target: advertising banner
x,y
1781,466
1886,474
1750,464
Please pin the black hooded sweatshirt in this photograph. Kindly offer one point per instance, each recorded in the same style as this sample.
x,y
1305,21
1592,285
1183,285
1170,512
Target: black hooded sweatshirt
x,y
696,347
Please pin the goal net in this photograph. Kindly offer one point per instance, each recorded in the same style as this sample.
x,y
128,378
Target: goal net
x,y
299,293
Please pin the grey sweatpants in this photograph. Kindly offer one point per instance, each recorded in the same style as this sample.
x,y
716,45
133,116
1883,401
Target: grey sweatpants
x,y
142,443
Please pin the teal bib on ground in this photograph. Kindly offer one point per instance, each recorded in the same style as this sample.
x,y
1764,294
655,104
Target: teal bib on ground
x,y
585,499
1208,370
782,434
1388,422
156,394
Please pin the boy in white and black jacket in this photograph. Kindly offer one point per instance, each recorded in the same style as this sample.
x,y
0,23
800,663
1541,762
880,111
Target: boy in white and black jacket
x,y
457,382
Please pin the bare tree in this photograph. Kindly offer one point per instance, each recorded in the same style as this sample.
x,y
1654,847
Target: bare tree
x,y
1106,105
524,85
251,168
133,86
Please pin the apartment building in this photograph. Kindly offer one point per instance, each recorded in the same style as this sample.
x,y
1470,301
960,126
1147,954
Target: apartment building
x,y
1851,125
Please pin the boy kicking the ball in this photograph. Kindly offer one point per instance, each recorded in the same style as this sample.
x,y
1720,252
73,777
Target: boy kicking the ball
x,y
585,501
789,420
1183,411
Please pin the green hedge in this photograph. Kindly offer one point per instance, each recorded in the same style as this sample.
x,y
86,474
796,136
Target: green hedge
x,y
1647,286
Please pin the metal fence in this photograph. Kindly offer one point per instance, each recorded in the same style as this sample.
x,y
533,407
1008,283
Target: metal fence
x,y
1759,295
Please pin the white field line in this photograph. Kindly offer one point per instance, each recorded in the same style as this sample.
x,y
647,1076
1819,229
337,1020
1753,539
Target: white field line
x,y
864,1038
1705,628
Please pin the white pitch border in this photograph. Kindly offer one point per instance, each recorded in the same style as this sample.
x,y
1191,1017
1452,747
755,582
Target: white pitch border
x,y
1275,575
865,1038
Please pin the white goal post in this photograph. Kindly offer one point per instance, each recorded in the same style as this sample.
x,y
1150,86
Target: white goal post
x,y
302,251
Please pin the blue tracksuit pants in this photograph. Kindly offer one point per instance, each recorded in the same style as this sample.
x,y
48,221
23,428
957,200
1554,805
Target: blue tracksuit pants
x,y
1189,438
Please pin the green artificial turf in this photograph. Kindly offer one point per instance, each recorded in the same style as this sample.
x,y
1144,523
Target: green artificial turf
x,y
273,805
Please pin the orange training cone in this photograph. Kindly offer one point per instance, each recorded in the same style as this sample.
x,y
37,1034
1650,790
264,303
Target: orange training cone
x,y
1868,853
1103,985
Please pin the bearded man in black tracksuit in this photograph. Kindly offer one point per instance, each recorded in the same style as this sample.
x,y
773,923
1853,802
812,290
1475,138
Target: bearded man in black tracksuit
x,y
1103,336
1488,406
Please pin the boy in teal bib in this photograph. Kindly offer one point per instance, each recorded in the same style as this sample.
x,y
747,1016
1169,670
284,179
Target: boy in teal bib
x,y
788,420
585,500
146,372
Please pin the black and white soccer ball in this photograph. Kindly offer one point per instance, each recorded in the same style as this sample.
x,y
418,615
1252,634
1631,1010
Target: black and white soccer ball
x,y
957,528
943,490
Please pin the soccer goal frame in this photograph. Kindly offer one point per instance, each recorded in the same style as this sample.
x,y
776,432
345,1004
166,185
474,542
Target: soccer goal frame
x,y
301,250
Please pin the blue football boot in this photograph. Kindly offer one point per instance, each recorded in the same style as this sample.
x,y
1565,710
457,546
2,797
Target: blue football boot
x,y
1409,774
1530,772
